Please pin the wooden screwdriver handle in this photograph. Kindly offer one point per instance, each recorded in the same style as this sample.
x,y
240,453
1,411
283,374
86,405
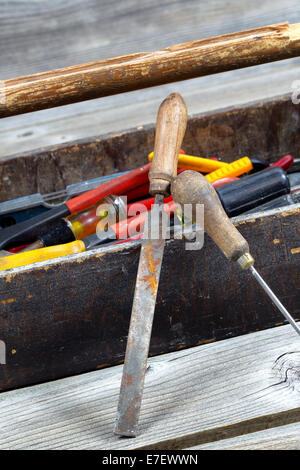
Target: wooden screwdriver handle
x,y
190,187
170,129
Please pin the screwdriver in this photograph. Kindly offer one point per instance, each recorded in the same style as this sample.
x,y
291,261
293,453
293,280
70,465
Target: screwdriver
x,y
193,188
119,231
249,192
208,165
26,231
81,225
169,132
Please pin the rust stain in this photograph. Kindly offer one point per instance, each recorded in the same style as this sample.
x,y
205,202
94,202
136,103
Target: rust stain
x,y
276,241
9,277
295,250
127,380
101,366
206,341
288,213
250,221
152,264
7,301
152,283
80,260
151,278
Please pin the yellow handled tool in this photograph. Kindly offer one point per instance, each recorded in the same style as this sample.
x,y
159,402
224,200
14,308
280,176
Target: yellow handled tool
x,y
189,162
42,254
237,168
217,170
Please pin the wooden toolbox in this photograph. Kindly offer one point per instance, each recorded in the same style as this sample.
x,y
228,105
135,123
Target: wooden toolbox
x,y
71,315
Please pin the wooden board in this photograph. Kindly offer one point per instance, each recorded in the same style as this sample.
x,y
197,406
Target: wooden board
x,y
137,26
280,438
71,315
267,129
43,34
203,394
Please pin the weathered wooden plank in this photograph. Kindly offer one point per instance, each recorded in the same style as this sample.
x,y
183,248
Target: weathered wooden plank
x,y
131,72
279,438
24,133
46,30
71,315
203,394
65,336
42,36
267,130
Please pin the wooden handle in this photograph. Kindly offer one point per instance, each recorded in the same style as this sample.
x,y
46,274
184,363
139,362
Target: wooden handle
x,y
146,69
170,129
191,187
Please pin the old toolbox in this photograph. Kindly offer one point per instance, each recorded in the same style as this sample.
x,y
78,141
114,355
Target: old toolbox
x,y
71,315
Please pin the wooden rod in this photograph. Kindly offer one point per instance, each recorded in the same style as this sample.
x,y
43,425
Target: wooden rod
x,y
146,69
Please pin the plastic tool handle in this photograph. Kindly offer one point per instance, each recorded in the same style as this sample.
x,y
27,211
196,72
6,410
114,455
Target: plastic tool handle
x,y
191,187
129,227
253,190
236,168
117,186
284,162
42,254
170,129
189,162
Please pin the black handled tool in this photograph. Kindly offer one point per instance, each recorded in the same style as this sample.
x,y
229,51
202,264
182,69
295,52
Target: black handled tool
x,y
193,188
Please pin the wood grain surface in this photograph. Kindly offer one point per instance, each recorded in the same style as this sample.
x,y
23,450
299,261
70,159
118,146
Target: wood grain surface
x,y
267,129
204,394
50,335
177,62
279,438
88,329
43,38
169,133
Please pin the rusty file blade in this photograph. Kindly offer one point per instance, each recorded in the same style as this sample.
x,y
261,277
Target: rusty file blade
x,y
140,330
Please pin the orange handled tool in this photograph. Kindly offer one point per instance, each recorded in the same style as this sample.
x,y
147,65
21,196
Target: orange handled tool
x,y
121,230
28,230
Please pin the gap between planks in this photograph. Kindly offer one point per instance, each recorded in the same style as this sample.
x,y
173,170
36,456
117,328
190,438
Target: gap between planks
x,y
279,438
191,397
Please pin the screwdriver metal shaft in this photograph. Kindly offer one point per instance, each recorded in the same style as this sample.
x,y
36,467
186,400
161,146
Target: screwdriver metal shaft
x,y
191,187
273,297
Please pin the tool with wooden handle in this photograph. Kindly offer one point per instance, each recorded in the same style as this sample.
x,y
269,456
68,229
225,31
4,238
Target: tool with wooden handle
x,y
170,129
193,188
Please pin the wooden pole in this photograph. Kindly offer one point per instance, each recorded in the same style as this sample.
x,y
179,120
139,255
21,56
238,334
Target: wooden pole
x,y
132,72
